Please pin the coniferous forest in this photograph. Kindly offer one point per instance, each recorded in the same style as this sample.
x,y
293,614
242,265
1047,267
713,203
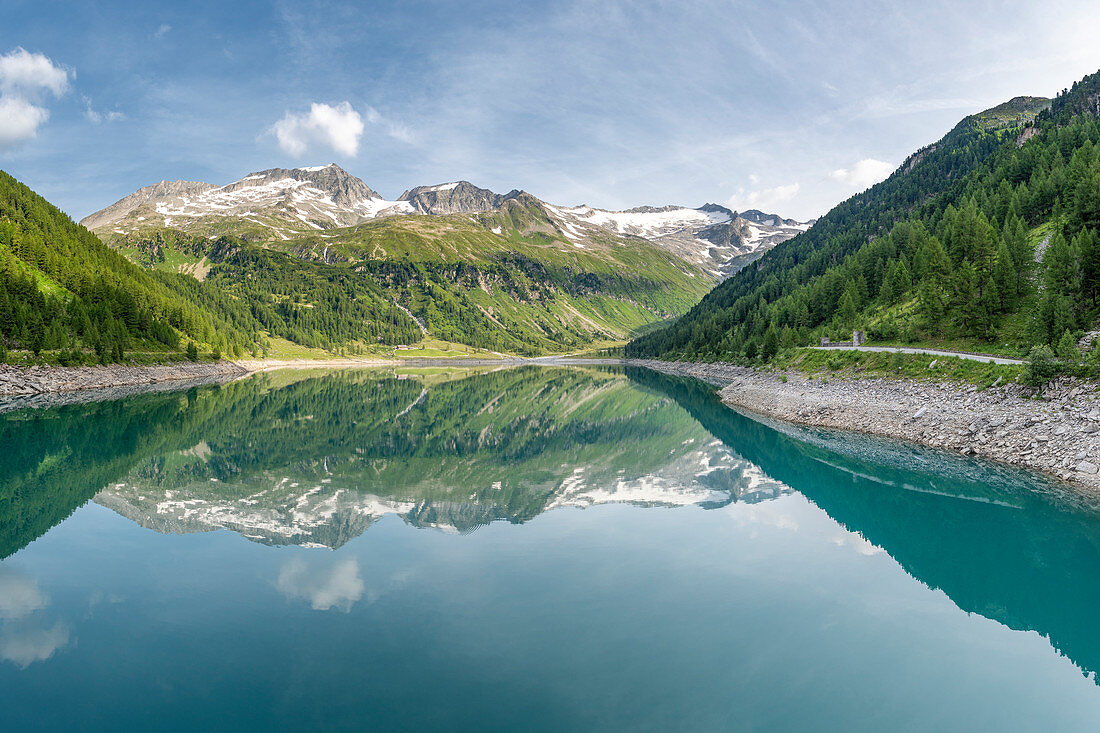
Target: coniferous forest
x,y
63,290
989,238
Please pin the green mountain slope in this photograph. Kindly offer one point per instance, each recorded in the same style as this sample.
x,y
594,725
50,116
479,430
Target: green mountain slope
x,y
988,238
507,280
61,288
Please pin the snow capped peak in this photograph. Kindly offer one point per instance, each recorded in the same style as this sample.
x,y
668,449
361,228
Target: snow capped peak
x,y
290,201
712,236
457,197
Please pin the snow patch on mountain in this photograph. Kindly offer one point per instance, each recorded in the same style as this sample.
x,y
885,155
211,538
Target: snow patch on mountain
x,y
713,237
292,202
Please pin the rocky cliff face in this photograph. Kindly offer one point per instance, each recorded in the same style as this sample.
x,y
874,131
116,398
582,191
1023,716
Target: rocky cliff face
x,y
158,191
343,188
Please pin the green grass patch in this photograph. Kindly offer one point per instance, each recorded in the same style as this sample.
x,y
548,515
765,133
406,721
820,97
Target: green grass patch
x,y
859,364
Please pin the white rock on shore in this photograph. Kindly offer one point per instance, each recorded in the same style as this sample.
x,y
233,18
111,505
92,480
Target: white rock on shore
x,y
1058,435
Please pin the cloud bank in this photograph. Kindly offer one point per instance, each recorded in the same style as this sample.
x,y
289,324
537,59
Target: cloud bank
x,y
767,198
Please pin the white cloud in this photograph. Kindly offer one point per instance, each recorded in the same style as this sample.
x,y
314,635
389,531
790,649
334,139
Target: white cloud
x,y
866,172
338,128
339,588
96,117
19,120
160,31
23,638
29,73
767,198
25,78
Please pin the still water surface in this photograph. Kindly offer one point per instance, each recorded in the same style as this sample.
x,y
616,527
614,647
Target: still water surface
x,y
524,549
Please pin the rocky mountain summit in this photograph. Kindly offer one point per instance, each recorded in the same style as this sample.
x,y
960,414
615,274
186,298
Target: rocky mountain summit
x,y
290,507
163,190
460,197
279,200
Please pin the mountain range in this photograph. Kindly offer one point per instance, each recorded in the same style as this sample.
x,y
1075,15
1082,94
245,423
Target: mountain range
x,y
989,236
287,204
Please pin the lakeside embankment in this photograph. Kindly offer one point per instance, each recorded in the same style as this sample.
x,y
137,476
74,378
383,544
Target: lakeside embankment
x,y
23,381
1058,435
20,380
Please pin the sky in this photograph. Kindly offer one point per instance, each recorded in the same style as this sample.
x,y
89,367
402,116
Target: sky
x,y
789,107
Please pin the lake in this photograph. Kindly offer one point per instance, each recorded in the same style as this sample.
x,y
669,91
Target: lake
x,y
534,548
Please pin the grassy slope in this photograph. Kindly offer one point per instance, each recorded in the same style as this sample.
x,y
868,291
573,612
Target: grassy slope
x,y
526,289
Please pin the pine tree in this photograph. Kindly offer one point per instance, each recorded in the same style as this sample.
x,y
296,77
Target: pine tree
x,y
770,346
1004,277
1087,244
1067,347
1060,266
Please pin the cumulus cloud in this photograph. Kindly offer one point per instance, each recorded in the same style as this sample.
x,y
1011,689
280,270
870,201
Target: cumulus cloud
x,y
29,73
19,120
866,172
338,128
25,80
338,587
767,198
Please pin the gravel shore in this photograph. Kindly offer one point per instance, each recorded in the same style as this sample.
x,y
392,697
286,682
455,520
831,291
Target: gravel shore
x,y
34,385
1058,435
20,381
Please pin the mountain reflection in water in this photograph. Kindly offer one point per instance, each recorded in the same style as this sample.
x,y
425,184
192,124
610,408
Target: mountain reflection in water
x,y
314,459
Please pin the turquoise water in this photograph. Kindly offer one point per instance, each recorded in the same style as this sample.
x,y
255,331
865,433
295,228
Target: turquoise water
x,y
524,549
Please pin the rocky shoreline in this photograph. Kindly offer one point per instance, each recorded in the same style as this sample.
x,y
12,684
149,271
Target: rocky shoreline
x,y
16,381
1058,435
38,386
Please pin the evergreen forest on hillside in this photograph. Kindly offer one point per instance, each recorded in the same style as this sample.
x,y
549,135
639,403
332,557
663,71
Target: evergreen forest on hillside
x,y
988,239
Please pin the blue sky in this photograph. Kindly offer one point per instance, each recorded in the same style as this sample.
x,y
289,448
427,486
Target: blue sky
x,y
786,106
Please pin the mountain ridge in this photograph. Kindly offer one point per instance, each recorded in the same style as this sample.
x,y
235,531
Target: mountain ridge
x,y
283,204
945,250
